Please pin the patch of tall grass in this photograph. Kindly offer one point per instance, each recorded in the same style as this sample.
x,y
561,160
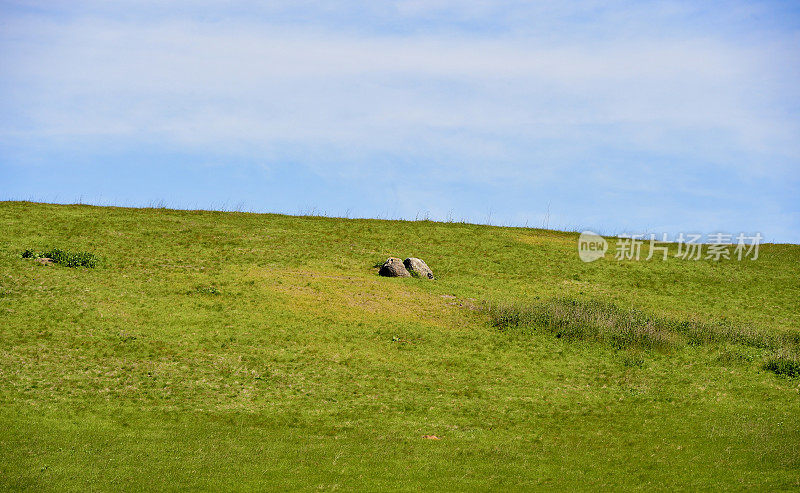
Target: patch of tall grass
x,y
630,328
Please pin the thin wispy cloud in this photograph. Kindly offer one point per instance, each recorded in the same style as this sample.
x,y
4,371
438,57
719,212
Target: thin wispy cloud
x,y
480,104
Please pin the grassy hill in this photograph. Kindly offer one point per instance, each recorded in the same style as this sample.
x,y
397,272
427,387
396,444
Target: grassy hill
x,y
240,351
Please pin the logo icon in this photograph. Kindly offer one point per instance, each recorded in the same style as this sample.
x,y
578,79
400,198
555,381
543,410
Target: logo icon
x,y
591,246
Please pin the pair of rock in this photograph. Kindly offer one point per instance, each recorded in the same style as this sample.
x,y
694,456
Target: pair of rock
x,y
394,267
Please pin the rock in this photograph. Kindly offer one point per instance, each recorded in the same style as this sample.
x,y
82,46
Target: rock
x,y
393,267
45,261
419,267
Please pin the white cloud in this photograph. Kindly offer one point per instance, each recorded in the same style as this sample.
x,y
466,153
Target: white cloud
x,y
513,98
200,83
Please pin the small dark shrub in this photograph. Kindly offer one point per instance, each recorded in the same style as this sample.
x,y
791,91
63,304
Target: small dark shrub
x,y
66,258
70,259
789,367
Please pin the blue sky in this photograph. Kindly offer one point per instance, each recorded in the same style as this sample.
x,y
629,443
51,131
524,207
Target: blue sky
x,y
613,116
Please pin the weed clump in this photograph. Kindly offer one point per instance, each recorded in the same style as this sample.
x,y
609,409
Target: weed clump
x,y
633,360
72,259
209,290
65,258
783,365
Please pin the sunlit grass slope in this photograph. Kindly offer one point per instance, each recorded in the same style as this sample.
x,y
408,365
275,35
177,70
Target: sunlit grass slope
x,y
235,351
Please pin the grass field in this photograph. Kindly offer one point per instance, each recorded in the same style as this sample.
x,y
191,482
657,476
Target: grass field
x,y
239,351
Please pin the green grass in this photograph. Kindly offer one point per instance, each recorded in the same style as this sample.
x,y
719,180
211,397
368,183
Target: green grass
x,y
784,365
67,259
238,351
630,328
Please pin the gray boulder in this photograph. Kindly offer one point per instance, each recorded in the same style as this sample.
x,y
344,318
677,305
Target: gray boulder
x,y
419,267
393,267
